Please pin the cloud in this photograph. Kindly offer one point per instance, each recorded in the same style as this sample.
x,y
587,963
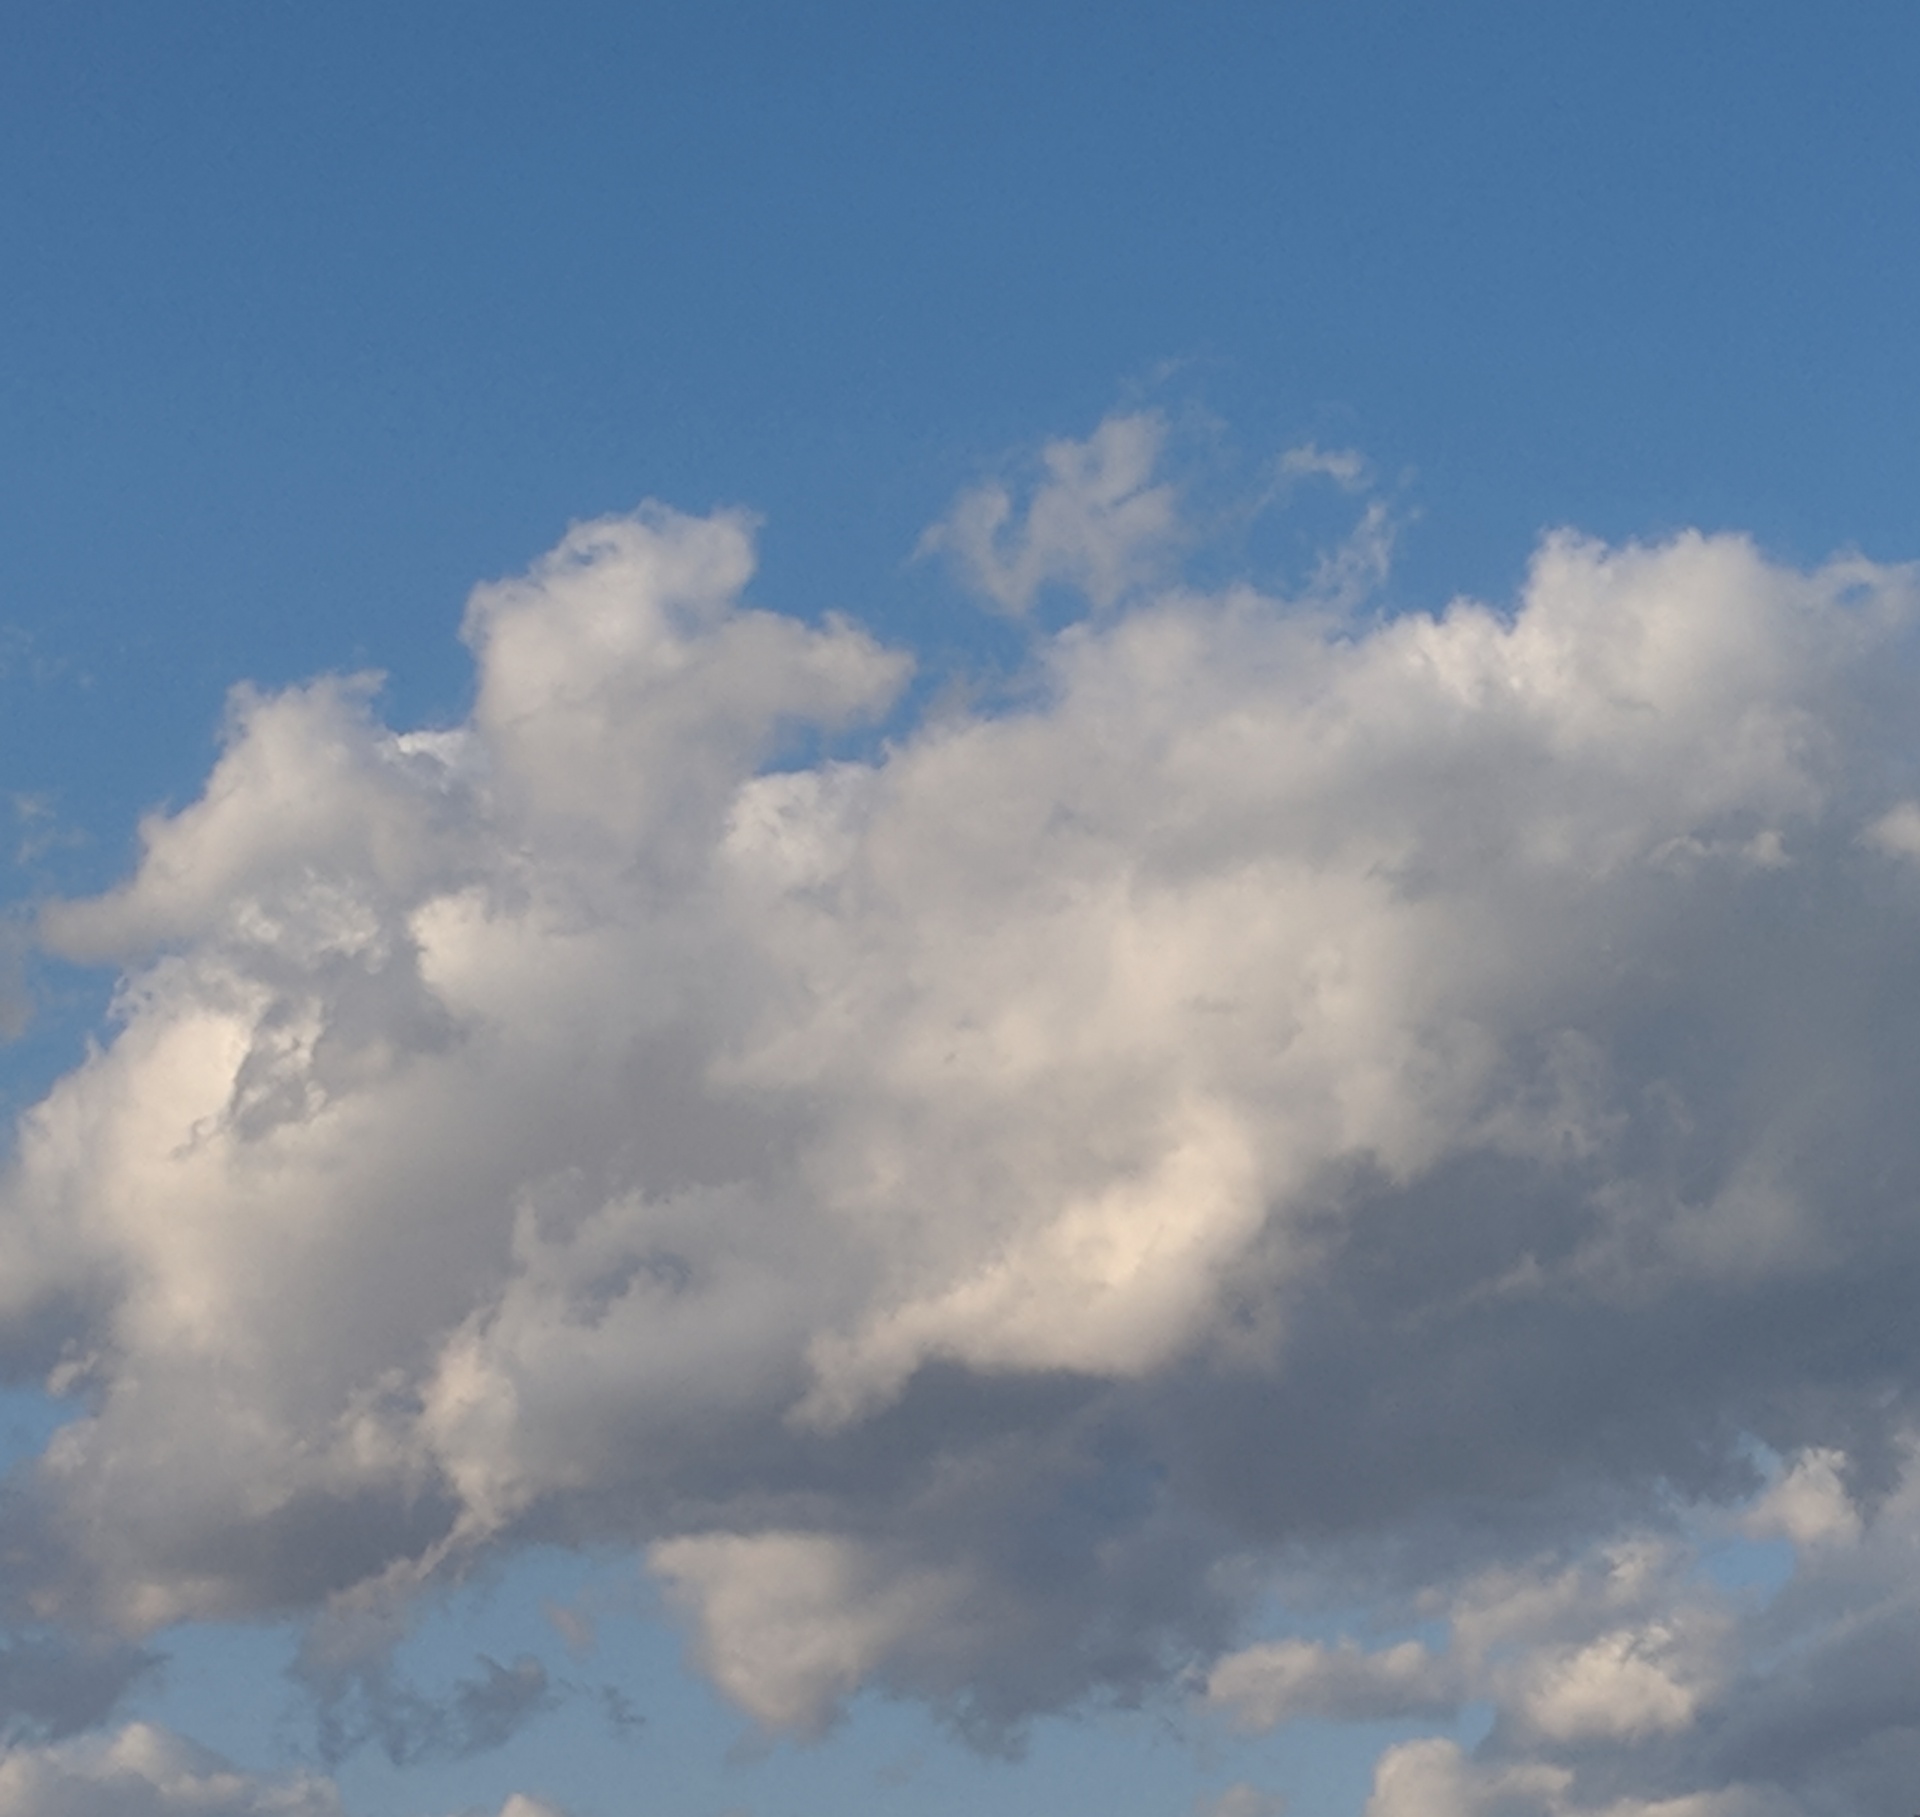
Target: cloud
x,y
54,1685
16,1003
1897,831
1411,1108
1094,523
1630,1680
1280,1681
362,1700
1808,1503
1243,1801
1436,1779
1347,468
144,1771
791,1622
1617,1645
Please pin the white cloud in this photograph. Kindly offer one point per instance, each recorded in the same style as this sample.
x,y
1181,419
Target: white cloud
x,y
791,1622
1617,1646
1628,1683
1095,523
1435,1779
1897,831
1280,1681
963,1209
1809,1503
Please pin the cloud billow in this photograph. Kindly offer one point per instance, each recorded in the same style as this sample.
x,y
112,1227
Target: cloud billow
x,y
1420,1103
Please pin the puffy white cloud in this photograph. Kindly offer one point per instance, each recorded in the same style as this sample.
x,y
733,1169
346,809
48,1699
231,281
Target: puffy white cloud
x,y
1411,1100
1808,1503
1897,831
1624,1684
791,1622
1617,1646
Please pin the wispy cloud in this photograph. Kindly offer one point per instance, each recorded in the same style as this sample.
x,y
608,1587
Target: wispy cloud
x,y
1094,523
1347,468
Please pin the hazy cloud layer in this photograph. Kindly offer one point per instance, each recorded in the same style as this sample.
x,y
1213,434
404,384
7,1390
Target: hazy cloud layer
x,y
1417,1107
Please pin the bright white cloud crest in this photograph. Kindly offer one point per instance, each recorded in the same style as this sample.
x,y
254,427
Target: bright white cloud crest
x,y
959,1204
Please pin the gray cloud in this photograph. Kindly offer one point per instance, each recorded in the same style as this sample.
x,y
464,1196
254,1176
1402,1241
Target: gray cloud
x,y
1414,1114
53,1685
366,1702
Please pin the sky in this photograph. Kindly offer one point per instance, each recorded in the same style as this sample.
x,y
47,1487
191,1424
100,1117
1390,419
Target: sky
x,y
928,909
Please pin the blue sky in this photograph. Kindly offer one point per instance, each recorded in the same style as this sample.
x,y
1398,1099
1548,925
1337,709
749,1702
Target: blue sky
x,y
1107,397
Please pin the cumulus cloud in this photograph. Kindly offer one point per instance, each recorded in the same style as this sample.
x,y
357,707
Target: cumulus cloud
x,y
1618,1645
791,1622
1280,1681
1632,1680
1410,1105
1897,831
